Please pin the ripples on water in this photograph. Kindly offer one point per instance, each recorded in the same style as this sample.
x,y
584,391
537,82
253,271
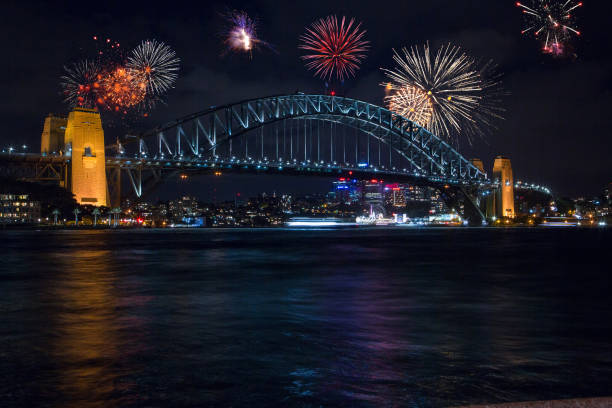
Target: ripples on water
x,y
379,317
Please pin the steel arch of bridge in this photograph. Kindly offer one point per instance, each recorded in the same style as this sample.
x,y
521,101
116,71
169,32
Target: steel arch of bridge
x,y
201,134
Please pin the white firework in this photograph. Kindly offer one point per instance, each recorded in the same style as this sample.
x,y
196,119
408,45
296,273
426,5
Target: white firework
x,y
80,83
157,63
462,97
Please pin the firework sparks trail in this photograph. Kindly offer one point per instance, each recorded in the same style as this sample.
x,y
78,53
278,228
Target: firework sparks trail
x,y
241,35
335,48
448,92
551,21
156,63
81,83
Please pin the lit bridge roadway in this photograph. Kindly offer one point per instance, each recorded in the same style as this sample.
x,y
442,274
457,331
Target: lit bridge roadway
x,y
317,135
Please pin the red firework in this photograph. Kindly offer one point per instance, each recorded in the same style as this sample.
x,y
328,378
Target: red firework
x,y
335,48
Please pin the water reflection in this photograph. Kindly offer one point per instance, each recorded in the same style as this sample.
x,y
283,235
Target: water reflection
x,y
290,318
86,347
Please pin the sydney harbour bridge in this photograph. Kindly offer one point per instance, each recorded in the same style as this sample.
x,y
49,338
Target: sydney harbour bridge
x,y
299,134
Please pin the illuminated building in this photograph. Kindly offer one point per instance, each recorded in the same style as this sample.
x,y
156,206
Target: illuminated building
x,y
52,139
417,193
185,208
504,196
437,205
346,191
373,195
18,208
395,195
84,142
286,203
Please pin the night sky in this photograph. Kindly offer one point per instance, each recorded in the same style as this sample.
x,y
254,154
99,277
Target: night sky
x,y
558,112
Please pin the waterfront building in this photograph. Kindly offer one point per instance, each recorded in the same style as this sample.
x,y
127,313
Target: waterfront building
x,y
18,209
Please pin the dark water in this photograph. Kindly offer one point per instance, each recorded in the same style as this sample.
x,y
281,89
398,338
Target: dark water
x,y
364,318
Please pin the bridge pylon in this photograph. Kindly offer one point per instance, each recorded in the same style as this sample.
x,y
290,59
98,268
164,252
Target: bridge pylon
x,y
80,138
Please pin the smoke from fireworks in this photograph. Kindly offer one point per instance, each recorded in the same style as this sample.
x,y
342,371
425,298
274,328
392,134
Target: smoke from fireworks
x,y
552,22
112,83
241,35
156,63
448,92
334,48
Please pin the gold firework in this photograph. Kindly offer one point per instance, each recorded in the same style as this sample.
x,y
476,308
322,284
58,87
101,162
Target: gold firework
x,y
411,103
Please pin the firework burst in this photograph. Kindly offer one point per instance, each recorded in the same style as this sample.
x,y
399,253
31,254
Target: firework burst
x,y
241,35
126,86
155,63
411,102
335,48
447,92
81,83
551,21
122,90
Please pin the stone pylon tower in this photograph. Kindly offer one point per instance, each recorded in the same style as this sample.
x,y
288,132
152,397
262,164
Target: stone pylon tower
x,y
52,139
84,143
504,197
478,164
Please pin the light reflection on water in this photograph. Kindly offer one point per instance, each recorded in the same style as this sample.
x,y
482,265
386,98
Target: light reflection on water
x,y
85,340
377,317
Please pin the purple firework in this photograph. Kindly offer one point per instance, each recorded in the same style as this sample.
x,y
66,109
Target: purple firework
x,y
242,33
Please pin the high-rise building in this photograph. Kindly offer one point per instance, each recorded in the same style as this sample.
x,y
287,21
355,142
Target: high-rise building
x,y
504,196
373,191
84,142
346,191
395,195
52,139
